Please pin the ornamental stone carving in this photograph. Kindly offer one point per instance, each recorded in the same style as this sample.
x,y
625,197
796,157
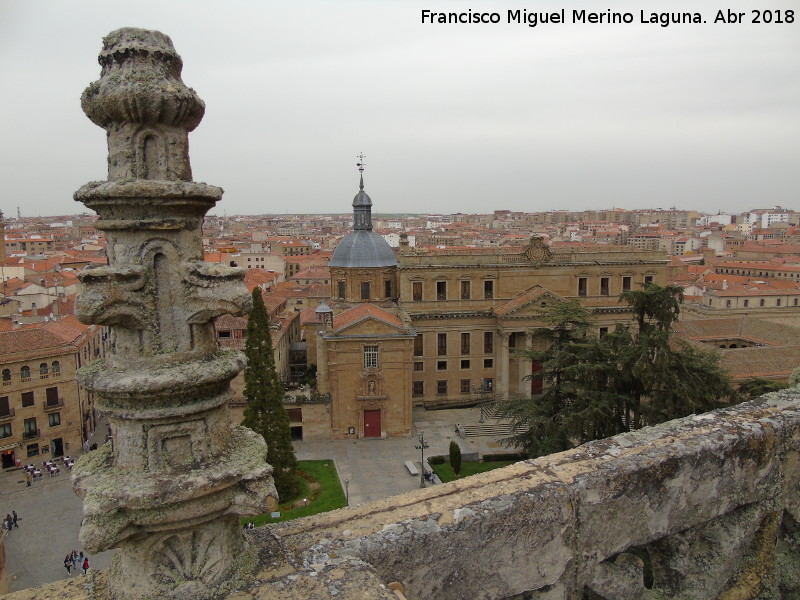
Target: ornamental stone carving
x,y
169,492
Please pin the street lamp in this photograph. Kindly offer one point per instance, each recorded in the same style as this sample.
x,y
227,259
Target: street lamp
x,y
422,446
347,491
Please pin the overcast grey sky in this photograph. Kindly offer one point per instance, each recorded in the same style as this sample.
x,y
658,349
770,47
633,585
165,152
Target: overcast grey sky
x,y
452,118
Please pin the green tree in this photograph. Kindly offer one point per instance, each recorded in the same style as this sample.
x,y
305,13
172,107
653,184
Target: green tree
x,y
758,386
265,412
542,426
455,457
627,379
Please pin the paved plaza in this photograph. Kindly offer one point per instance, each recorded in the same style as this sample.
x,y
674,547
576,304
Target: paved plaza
x,y
50,512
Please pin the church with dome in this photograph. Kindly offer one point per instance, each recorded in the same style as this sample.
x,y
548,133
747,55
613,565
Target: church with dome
x,y
440,327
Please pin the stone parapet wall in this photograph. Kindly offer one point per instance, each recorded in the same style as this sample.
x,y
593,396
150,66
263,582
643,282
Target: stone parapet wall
x,y
701,507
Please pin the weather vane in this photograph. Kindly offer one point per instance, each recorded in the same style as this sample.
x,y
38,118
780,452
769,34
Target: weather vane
x,y
361,164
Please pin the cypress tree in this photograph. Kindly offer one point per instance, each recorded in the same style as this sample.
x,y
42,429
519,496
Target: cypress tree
x,y
265,412
455,457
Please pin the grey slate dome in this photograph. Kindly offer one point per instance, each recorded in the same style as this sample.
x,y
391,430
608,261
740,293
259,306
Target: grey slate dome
x,y
363,247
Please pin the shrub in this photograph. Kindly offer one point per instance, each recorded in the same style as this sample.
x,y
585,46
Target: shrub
x,y
455,457
436,460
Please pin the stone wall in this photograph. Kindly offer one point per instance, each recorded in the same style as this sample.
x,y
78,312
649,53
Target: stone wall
x,y
702,507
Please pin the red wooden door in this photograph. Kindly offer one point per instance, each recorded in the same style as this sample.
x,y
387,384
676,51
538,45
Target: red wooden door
x,y
372,423
536,379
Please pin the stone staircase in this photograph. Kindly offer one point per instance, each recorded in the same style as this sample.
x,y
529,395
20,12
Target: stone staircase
x,y
491,428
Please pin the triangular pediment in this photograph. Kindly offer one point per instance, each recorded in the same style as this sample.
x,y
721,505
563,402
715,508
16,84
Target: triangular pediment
x,y
367,319
528,303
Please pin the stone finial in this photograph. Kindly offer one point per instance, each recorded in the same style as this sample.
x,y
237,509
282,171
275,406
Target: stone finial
x,y
143,104
169,492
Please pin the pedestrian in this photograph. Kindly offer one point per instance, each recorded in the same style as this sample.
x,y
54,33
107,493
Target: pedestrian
x,y
28,478
74,558
85,564
9,522
13,512
68,564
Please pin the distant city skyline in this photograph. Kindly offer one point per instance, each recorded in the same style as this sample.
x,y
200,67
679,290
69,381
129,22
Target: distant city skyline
x,y
452,118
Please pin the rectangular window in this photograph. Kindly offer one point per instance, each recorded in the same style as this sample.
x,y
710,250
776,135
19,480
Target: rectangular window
x,y
441,290
441,344
778,302
465,343
441,387
465,364
465,291
5,407
417,388
388,288
27,398
54,419
626,283
370,357
33,450
746,303
418,366
488,342
488,363
441,365
5,431
604,286
465,383
487,384
727,303
365,290
603,331
418,345
488,289
582,286
648,279
51,396
295,415
416,291
340,289
30,426
761,302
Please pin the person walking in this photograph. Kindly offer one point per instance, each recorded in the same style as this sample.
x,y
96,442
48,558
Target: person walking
x,y
28,478
85,564
14,516
68,564
9,522
74,557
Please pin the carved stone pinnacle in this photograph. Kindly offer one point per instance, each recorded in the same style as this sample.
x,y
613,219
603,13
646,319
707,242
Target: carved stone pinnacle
x,y
169,492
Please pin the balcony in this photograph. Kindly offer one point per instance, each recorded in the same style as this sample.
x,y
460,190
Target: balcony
x,y
7,416
53,404
31,434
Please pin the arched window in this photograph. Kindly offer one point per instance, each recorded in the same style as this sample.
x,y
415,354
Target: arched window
x,y
43,370
6,376
56,368
25,373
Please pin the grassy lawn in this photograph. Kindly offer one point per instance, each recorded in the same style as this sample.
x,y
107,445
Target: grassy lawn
x,y
329,496
445,471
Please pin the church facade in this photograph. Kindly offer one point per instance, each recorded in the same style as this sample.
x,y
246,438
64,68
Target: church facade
x,y
439,328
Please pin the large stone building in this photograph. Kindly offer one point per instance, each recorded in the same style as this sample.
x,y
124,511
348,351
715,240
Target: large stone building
x,y
439,327
43,410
